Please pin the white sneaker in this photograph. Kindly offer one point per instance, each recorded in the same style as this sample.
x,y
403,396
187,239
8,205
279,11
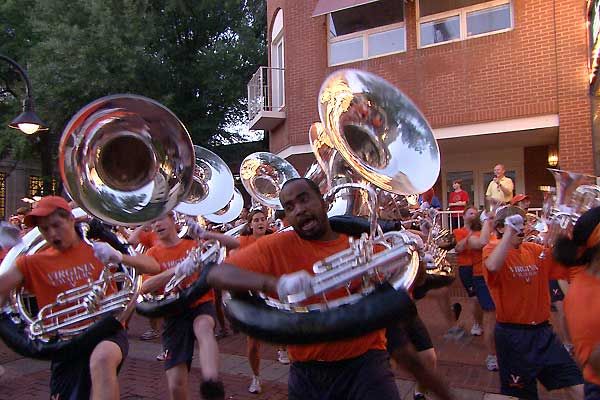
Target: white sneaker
x,y
476,330
282,356
255,385
491,362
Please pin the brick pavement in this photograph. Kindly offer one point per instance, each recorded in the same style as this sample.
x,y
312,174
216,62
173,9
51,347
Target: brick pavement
x,y
142,377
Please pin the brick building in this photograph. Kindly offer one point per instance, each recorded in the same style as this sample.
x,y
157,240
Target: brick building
x,y
499,81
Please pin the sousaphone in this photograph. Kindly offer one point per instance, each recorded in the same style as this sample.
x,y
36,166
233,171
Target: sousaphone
x,y
126,160
372,130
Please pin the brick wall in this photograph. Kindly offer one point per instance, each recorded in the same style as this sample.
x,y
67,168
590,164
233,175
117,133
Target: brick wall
x,y
538,68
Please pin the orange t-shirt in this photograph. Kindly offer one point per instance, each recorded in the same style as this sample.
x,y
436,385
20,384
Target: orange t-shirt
x,y
287,252
50,272
520,289
477,257
148,239
169,257
246,240
582,306
464,257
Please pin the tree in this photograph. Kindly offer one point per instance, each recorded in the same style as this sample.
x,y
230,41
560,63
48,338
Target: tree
x,y
193,56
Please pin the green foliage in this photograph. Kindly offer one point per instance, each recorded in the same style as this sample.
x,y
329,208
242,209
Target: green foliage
x,y
194,56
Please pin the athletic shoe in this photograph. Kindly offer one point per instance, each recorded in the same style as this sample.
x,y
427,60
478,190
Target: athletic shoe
x,y
491,362
476,330
419,396
282,357
150,334
162,356
255,385
455,333
212,390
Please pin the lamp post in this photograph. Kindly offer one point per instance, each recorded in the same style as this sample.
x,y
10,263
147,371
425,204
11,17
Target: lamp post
x,y
27,122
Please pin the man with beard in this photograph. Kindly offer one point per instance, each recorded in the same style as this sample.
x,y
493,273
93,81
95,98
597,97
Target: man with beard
x,y
526,346
346,369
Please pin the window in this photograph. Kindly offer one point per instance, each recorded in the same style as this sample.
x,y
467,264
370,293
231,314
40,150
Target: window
x,y
442,21
371,30
36,187
277,64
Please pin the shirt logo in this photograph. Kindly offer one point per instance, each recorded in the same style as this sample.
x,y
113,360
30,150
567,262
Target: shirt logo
x,y
71,276
516,381
524,272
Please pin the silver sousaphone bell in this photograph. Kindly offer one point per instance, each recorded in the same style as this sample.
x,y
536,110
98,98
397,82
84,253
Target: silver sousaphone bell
x,y
372,133
126,160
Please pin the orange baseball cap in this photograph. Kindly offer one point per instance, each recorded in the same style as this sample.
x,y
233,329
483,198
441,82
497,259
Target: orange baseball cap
x,y
46,206
518,198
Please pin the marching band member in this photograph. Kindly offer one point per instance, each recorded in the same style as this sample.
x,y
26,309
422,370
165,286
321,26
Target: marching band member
x,y
256,228
526,346
196,323
68,263
355,368
582,302
476,241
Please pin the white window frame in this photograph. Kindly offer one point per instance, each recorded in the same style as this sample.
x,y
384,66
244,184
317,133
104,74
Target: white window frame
x,y
278,83
365,40
462,14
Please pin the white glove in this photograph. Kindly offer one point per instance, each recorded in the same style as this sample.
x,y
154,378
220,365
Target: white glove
x,y
186,267
414,238
295,282
195,230
106,253
9,235
515,222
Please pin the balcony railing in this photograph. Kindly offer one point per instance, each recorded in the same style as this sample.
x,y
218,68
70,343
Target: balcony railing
x,y
266,98
451,220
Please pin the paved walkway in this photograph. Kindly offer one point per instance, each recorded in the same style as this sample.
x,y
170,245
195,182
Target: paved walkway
x,y
142,377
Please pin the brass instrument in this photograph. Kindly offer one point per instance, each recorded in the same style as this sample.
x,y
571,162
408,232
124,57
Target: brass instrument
x,y
263,174
370,135
572,198
230,212
126,160
212,185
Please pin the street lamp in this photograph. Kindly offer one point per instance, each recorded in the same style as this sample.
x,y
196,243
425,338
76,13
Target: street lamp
x,y
27,122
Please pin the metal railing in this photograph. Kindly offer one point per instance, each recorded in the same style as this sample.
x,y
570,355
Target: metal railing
x,y
265,91
452,219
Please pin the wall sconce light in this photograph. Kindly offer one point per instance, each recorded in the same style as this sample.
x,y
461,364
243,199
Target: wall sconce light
x,y
552,156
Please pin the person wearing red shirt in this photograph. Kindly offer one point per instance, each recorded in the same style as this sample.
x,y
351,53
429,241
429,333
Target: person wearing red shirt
x,y
68,263
196,323
457,202
582,303
356,368
526,345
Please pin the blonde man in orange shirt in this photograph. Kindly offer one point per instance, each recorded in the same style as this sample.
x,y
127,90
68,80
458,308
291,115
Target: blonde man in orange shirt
x,y
69,263
346,369
526,346
582,302
197,323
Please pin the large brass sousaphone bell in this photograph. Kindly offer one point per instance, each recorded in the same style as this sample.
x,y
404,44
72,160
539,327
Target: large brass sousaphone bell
x,y
125,160
370,132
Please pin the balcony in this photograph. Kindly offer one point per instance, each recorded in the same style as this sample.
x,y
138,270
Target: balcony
x,y
266,99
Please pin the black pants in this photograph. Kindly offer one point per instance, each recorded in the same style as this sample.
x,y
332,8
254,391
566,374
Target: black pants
x,y
367,377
